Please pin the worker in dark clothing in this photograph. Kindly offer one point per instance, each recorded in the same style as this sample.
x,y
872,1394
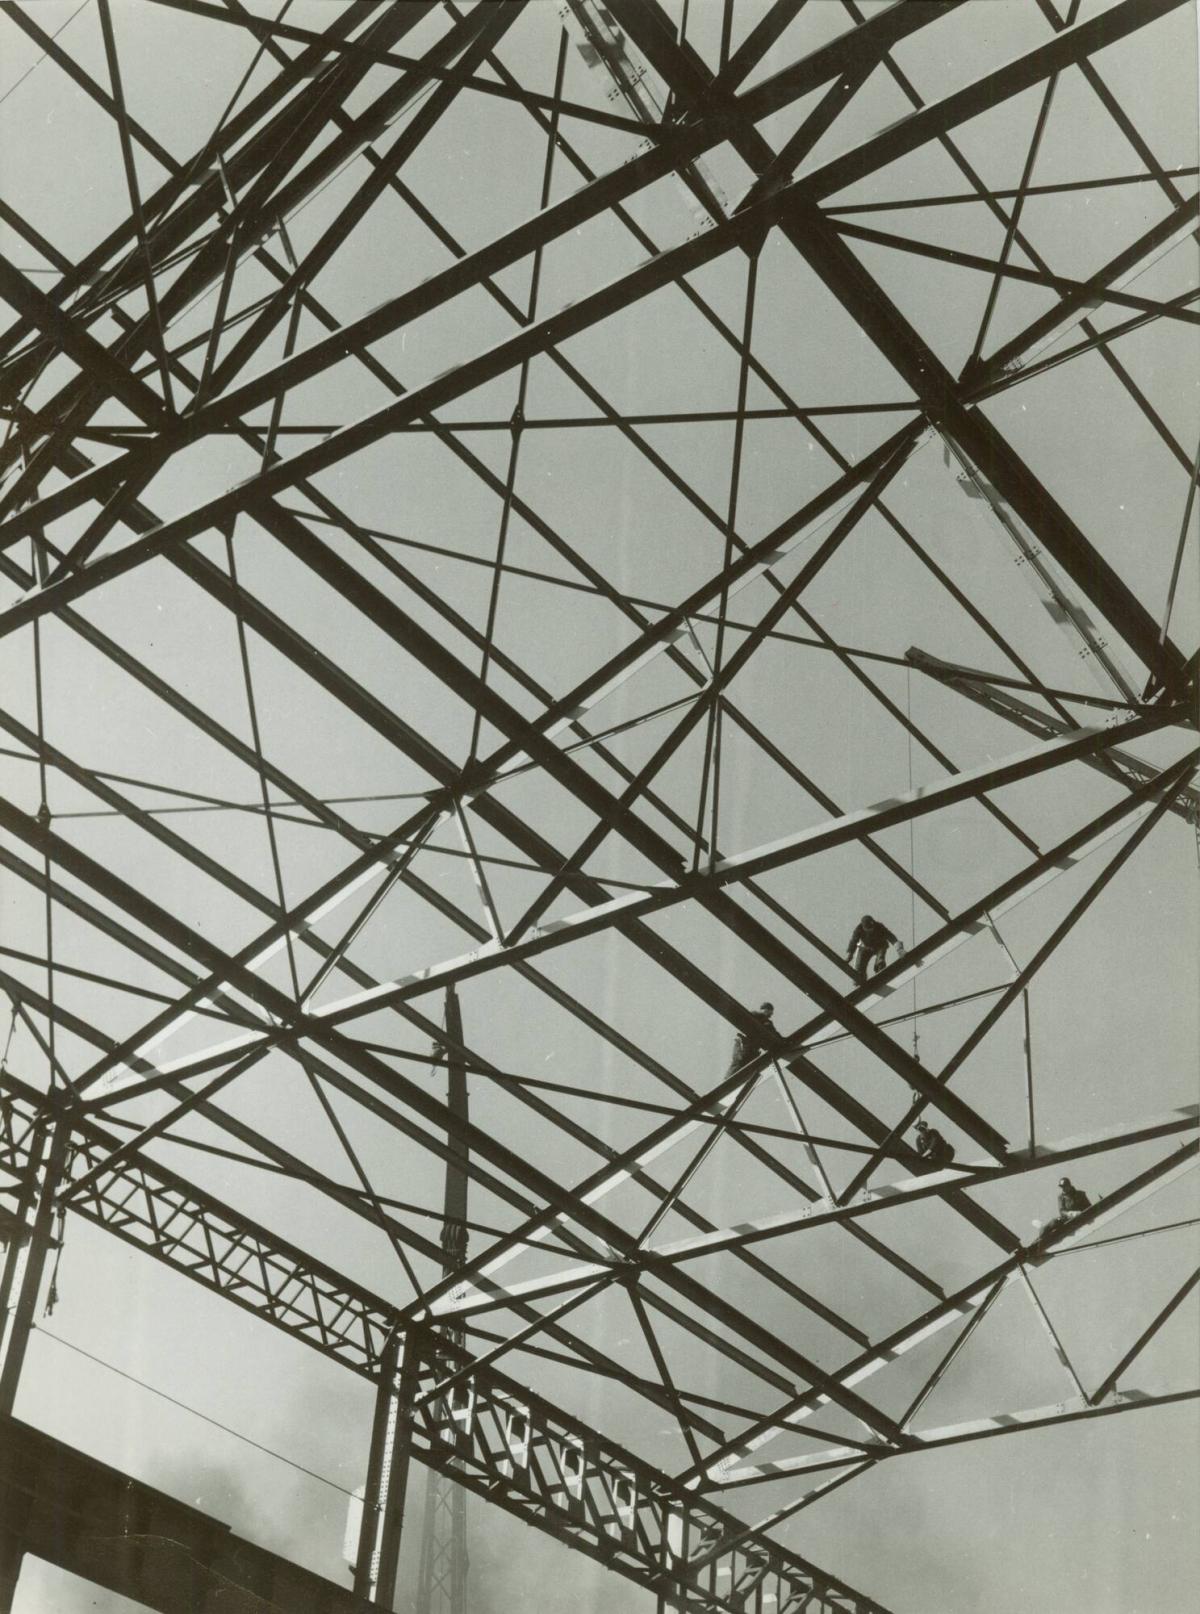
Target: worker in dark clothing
x,y
454,1241
1072,1202
932,1146
871,940
749,1043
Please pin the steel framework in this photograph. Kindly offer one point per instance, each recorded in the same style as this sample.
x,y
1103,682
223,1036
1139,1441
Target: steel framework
x,y
403,469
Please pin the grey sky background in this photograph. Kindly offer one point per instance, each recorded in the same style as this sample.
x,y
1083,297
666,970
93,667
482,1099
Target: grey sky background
x,y
1095,1518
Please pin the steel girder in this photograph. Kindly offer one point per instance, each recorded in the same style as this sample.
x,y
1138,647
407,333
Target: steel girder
x,y
210,216
816,239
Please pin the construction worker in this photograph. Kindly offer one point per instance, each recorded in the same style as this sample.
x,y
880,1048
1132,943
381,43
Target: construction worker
x,y
749,1043
454,1241
1072,1202
871,940
932,1146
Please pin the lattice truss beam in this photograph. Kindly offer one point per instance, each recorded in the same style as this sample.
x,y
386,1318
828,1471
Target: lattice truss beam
x,y
486,510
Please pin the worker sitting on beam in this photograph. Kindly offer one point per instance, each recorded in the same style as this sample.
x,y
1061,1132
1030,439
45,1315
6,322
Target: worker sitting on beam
x,y
933,1147
761,1034
1072,1202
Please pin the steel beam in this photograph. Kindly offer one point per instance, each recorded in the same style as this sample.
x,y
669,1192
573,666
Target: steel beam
x,y
378,1556
482,1143
472,1436
186,214
731,870
978,686
278,167
1066,49
831,1210
116,1531
816,239
1074,1410
956,1308
499,1440
25,1265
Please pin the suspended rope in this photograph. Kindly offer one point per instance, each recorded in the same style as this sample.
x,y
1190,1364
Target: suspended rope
x,y
1180,547
38,566
57,1238
12,1026
912,865
517,421
260,760
710,771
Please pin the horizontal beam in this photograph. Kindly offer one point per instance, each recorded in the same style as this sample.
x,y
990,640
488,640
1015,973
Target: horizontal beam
x,y
776,854
479,1449
955,1308
956,1434
107,1527
514,1448
826,1211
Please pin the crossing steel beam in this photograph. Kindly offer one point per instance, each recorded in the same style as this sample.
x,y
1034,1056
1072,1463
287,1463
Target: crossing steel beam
x,y
154,347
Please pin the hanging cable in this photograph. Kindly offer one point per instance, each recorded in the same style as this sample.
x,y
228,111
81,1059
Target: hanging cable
x,y
912,867
38,566
12,1026
56,1237
195,1411
17,84
711,765
517,421
256,738
1180,547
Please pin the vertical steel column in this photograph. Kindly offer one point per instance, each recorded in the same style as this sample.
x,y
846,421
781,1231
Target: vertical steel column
x,y
20,1283
14,1524
11,1555
387,1476
442,1577
25,1262
1027,1034
454,1206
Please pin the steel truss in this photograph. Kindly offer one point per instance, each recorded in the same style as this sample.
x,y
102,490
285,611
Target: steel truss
x,y
199,330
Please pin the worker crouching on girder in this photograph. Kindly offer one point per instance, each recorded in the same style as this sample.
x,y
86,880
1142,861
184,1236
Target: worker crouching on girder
x,y
871,940
933,1147
747,1045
